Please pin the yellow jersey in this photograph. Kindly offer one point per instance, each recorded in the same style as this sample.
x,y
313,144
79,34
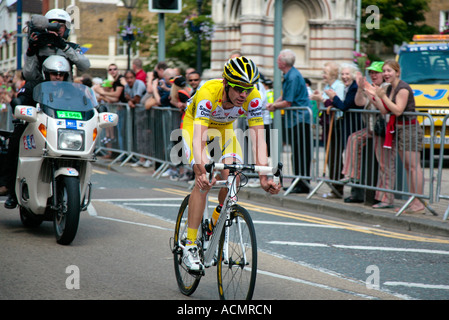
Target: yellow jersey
x,y
206,107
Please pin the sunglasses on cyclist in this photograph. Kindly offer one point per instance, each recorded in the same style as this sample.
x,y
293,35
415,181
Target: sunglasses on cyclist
x,y
240,89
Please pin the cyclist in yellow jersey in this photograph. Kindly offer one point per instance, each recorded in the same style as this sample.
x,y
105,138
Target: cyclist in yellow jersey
x,y
210,114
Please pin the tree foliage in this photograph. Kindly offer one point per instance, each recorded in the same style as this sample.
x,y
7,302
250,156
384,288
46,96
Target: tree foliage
x,y
398,21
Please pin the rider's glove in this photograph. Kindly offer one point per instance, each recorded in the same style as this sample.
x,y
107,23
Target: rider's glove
x,y
40,40
59,42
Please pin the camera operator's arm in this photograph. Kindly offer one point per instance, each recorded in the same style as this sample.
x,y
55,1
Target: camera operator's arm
x,y
31,68
72,52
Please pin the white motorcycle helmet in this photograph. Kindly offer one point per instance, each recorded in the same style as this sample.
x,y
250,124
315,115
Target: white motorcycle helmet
x,y
62,17
55,64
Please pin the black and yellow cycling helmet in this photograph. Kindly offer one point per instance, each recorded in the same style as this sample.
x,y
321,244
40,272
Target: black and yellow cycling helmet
x,y
241,70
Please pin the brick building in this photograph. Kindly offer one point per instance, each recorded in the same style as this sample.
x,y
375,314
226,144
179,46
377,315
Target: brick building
x,y
316,30
98,24
438,15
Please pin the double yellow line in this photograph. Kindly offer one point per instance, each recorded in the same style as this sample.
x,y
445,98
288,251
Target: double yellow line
x,y
316,220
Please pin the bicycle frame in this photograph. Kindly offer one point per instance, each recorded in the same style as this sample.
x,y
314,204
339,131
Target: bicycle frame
x,y
230,200
230,183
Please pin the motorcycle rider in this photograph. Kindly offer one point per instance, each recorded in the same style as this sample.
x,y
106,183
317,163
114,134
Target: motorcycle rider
x,y
54,68
44,44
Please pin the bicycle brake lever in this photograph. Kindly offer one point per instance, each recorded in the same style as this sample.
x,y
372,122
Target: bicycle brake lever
x,y
278,174
209,169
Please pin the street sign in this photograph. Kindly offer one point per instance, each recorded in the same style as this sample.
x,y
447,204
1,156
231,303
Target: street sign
x,y
165,6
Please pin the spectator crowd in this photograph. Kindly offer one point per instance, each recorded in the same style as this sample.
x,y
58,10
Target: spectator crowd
x,y
343,134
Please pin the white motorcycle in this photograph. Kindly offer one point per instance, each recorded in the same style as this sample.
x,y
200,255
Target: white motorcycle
x,y
56,154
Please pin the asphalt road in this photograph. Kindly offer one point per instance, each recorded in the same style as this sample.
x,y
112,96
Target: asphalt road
x,y
122,252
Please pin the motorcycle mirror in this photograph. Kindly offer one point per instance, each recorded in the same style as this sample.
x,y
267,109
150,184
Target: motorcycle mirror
x,y
26,113
102,108
107,119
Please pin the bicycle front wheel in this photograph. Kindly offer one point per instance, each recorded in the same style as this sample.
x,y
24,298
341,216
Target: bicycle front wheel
x,y
237,256
187,281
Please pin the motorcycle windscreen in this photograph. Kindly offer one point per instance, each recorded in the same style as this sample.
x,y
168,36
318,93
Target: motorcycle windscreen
x,y
66,96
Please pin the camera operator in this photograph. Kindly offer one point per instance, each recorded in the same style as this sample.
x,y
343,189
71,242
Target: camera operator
x,y
48,36
54,68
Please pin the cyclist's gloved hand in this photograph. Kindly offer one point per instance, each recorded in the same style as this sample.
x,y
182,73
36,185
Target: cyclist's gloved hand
x,y
269,185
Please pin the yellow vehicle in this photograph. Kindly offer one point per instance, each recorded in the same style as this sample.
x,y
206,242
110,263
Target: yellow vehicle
x,y
425,67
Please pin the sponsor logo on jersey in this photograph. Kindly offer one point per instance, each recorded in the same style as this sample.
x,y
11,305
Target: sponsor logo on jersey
x,y
255,108
203,109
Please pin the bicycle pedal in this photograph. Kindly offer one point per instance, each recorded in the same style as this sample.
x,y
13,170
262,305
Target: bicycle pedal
x,y
197,272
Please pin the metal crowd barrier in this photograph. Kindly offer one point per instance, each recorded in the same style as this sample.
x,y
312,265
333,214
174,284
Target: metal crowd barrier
x,y
393,175
141,133
6,118
310,153
282,146
441,138
297,135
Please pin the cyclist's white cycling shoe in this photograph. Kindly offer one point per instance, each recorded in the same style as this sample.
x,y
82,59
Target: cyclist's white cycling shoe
x,y
191,258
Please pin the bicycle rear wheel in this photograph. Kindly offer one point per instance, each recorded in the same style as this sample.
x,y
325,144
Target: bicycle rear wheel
x,y
237,267
187,281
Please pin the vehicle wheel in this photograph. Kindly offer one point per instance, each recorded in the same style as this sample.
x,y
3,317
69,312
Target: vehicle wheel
x,y
66,218
187,281
29,219
237,257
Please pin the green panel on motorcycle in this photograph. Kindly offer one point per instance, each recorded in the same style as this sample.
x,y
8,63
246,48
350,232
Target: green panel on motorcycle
x,y
69,115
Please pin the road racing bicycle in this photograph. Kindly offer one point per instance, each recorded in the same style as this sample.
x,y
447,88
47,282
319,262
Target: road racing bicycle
x,y
232,247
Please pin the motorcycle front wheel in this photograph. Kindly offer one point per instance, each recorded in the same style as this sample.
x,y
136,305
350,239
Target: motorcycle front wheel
x,y
66,217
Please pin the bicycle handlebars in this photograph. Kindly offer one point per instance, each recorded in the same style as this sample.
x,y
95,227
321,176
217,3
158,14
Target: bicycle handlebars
x,y
276,171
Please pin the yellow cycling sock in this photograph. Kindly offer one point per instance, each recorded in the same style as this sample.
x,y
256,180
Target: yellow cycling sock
x,y
191,236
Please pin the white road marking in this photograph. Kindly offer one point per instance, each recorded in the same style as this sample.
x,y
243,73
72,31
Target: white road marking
x,y
136,223
176,205
138,199
341,246
270,274
91,210
314,284
296,224
416,285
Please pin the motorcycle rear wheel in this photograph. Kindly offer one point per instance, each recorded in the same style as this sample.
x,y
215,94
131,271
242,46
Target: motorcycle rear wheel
x,y
66,218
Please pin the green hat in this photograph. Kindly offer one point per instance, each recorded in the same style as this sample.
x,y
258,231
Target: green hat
x,y
107,83
376,66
